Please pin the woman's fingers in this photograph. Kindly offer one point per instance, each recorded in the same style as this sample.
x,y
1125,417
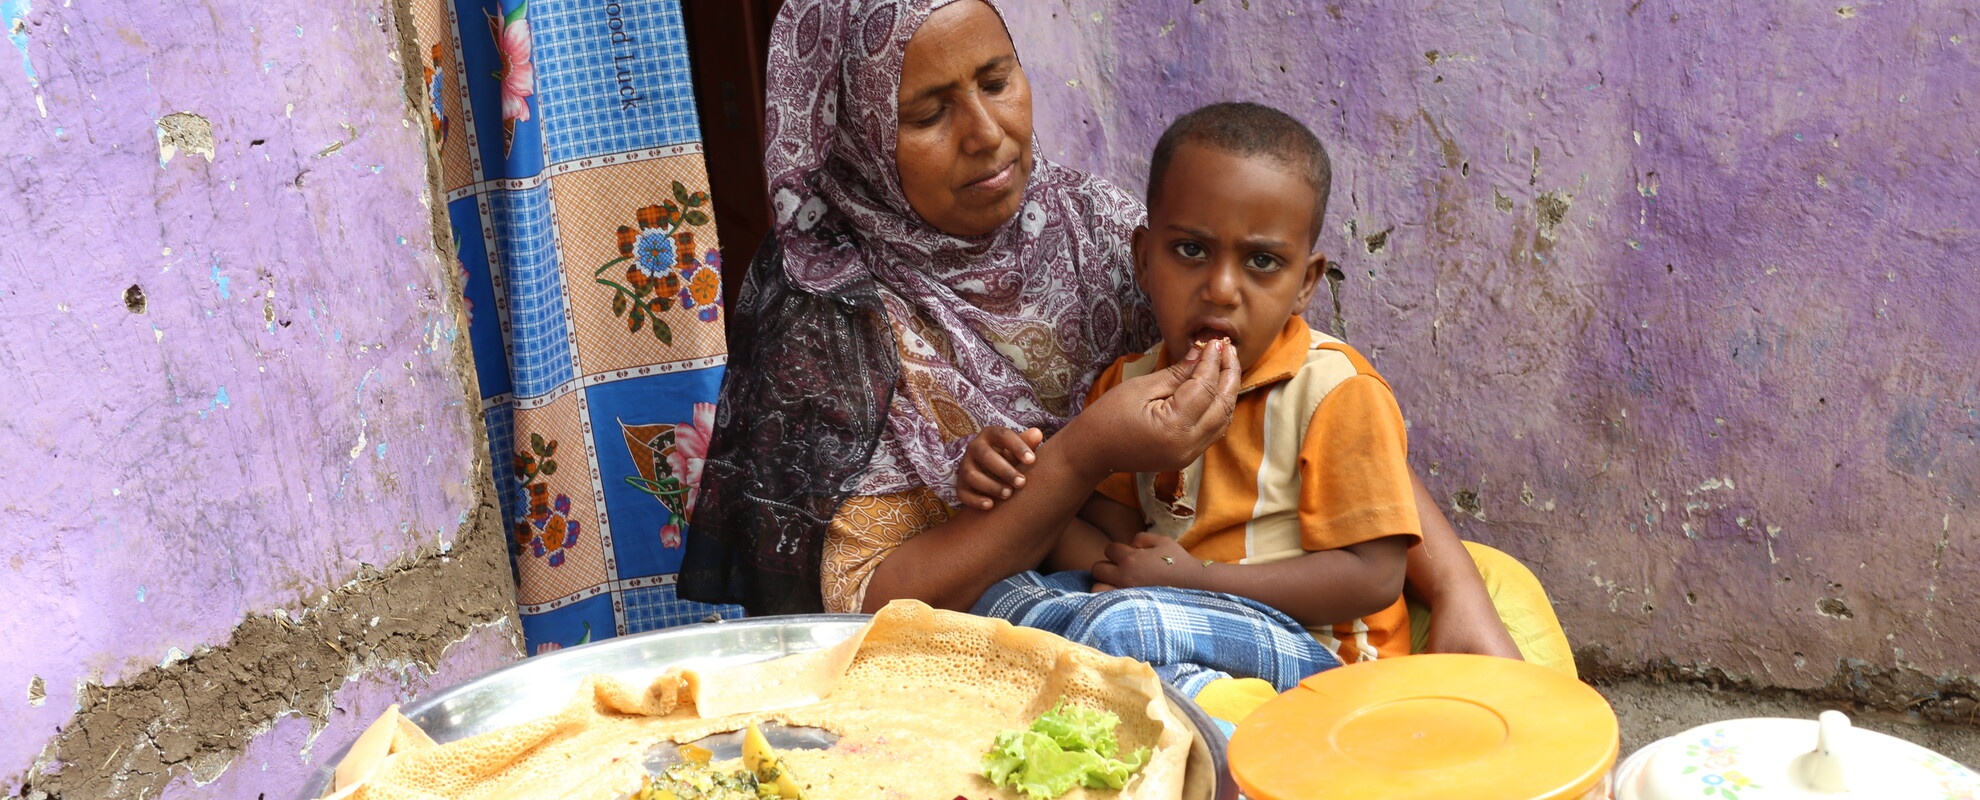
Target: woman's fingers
x,y
1208,396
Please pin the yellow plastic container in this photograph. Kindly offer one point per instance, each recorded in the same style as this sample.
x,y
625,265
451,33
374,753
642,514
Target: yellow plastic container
x,y
1430,727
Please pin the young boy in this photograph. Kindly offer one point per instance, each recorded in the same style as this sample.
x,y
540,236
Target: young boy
x,y
1305,505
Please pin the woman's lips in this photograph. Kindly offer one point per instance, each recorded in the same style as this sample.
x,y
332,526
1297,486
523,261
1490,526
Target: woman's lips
x,y
994,181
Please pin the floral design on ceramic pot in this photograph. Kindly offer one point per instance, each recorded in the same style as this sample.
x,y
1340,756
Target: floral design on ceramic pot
x,y
1956,781
544,526
669,458
662,266
1713,761
518,74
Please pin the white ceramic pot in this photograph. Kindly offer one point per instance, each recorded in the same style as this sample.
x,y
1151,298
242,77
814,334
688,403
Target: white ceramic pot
x,y
1778,759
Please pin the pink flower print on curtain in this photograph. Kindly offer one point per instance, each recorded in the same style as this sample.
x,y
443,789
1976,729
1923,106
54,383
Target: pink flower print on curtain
x,y
518,75
670,458
691,447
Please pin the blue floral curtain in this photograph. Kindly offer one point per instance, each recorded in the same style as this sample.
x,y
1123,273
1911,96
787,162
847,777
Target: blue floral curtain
x,y
566,139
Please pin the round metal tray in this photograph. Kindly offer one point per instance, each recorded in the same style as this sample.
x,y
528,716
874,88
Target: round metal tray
x,y
542,685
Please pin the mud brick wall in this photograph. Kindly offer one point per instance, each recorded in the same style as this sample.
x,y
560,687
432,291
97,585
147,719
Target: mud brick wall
x,y
246,496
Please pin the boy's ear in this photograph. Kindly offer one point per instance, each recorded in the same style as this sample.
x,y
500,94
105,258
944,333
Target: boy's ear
x,y
1316,266
1138,251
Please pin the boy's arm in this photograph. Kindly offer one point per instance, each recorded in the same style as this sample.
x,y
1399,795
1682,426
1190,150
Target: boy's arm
x,y
1357,518
1443,576
1084,543
1320,588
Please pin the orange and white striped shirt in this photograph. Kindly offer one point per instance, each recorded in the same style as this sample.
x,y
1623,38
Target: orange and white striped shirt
x,y
1314,460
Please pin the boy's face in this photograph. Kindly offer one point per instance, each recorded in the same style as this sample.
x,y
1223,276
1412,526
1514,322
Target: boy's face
x,y
1227,251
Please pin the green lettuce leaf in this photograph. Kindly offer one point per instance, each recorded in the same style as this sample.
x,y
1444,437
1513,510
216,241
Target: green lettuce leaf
x,y
1065,747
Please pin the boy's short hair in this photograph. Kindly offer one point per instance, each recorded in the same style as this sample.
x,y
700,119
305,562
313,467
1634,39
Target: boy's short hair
x,y
1248,129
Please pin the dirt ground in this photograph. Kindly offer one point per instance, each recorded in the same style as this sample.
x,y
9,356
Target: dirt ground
x,y
1651,710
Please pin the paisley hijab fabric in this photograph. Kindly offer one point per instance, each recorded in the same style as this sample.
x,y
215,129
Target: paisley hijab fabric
x,y
1008,328
866,346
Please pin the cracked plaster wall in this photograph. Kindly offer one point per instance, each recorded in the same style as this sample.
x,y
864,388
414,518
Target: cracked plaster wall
x,y
1679,299
246,491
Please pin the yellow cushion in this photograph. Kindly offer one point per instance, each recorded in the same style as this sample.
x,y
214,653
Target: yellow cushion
x,y
1522,604
1233,699
1523,607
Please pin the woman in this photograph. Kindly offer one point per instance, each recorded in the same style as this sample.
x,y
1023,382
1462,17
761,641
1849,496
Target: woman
x,y
929,275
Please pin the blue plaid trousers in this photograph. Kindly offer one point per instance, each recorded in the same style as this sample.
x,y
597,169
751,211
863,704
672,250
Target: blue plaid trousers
x,y
1191,637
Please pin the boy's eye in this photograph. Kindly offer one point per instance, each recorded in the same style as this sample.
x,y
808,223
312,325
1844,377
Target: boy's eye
x,y
1190,250
1263,263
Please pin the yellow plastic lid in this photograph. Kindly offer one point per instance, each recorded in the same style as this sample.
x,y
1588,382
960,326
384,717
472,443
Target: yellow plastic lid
x,y
1432,727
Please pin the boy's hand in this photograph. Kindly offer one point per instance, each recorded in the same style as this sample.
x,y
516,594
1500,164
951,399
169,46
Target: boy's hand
x,y
1151,560
989,472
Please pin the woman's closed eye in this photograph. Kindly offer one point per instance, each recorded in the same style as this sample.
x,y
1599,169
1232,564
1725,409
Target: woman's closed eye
x,y
923,118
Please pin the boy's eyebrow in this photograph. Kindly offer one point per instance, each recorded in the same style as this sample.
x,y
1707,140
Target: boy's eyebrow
x,y
931,91
1255,243
1259,243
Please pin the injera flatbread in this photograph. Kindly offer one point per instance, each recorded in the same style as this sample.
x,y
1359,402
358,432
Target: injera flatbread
x,y
917,698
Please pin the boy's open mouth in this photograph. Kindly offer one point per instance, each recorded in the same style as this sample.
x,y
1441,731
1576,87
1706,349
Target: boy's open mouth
x,y
1211,330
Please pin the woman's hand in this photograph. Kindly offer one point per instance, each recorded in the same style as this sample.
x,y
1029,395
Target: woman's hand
x,y
1161,421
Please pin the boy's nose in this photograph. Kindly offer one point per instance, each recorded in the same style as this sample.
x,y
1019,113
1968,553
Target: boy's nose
x,y
1220,287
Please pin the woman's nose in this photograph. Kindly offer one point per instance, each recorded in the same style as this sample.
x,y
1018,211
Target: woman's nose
x,y
979,130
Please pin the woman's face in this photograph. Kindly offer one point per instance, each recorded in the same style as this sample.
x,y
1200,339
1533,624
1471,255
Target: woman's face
x,y
965,124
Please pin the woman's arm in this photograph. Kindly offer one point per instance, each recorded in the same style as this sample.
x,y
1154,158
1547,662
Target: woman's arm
x,y
1157,422
1443,576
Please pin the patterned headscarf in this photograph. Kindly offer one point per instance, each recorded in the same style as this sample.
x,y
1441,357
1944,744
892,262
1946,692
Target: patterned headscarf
x,y
1008,328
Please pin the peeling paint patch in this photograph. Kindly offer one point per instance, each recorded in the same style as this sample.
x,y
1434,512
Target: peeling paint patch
x,y
37,691
220,280
1715,483
1552,208
1374,242
185,131
15,13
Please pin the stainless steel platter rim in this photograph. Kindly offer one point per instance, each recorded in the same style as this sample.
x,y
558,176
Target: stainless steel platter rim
x,y
431,712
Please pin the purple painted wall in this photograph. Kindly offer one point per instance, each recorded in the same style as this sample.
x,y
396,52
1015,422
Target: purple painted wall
x,y
1681,301
233,374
